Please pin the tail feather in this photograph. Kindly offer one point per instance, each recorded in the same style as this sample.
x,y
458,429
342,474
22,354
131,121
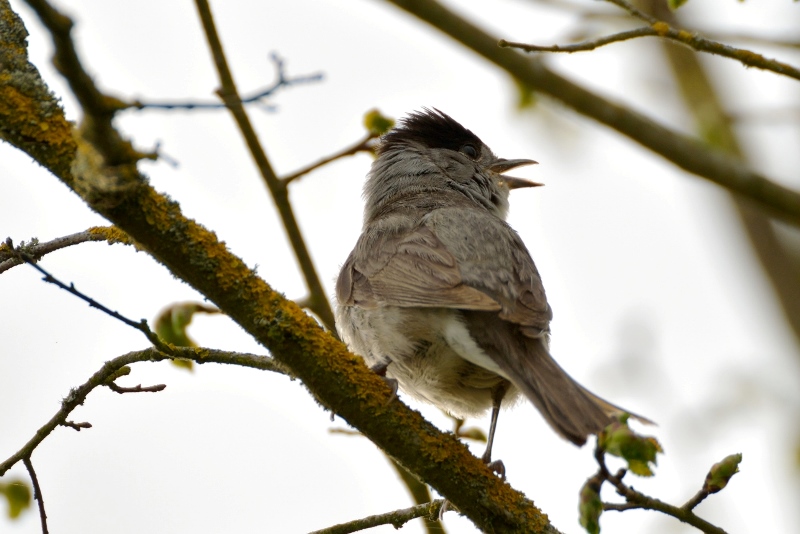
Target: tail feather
x,y
573,411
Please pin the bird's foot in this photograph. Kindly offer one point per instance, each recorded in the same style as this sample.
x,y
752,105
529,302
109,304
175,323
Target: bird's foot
x,y
380,370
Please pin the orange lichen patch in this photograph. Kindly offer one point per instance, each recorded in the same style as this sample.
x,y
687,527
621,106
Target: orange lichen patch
x,y
112,234
685,36
39,128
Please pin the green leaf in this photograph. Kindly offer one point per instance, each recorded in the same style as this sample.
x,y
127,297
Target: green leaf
x,y
376,123
675,4
18,496
721,472
172,326
639,451
590,506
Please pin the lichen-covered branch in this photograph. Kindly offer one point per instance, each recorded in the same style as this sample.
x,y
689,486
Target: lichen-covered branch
x,y
336,378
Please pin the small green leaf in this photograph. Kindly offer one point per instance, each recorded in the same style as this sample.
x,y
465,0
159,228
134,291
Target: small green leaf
x,y
18,495
376,123
639,451
675,4
721,472
590,506
172,326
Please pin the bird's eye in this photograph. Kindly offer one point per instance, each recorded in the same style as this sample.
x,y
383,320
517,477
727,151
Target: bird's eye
x,y
470,151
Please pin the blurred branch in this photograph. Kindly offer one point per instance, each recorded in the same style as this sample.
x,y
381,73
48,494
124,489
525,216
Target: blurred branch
x,y
282,81
714,124
581,47
9,258
422,496
397,519
317,300
364,145
660,28
337,379
688,153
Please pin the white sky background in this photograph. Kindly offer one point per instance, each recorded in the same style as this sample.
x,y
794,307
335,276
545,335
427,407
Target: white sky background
x,y
659,304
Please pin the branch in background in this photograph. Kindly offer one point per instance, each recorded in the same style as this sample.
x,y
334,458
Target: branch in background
x,y
713,123
660,28
688,153
317,300
282,81
10,258
365,145
397,519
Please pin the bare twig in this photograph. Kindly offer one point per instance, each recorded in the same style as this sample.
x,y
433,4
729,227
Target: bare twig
x,y
37,492
140,325
637,500
136,389
397,519
364,145
317,299
282,81
76,426
9,258
746,57
660,28
77,396
582,46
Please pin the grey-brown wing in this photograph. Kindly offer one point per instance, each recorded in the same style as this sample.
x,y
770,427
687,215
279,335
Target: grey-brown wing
x,y
496,262
408,269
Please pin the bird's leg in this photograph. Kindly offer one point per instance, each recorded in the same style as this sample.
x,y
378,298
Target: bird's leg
x,y
380,370
498,392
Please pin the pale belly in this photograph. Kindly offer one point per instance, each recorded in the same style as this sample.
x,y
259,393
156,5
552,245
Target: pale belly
x,y
429,352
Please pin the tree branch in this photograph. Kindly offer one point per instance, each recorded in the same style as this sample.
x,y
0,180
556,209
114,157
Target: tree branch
x,y
77,396
317,300
338,380
688,153
396,518
9,258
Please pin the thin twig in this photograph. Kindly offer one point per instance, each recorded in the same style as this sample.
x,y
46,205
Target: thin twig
x,y
77,426
582,46
282,81
363,145
317,300
635,499
36,250
136,389
397,519
77,396
37,492
140,325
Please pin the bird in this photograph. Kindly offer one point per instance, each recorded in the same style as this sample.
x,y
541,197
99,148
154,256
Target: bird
x,y
441,296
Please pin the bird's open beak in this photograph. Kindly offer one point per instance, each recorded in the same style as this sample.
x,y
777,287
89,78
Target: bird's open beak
x,y
502,165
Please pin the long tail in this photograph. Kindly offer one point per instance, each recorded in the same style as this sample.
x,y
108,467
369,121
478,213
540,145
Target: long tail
x,y
572,410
